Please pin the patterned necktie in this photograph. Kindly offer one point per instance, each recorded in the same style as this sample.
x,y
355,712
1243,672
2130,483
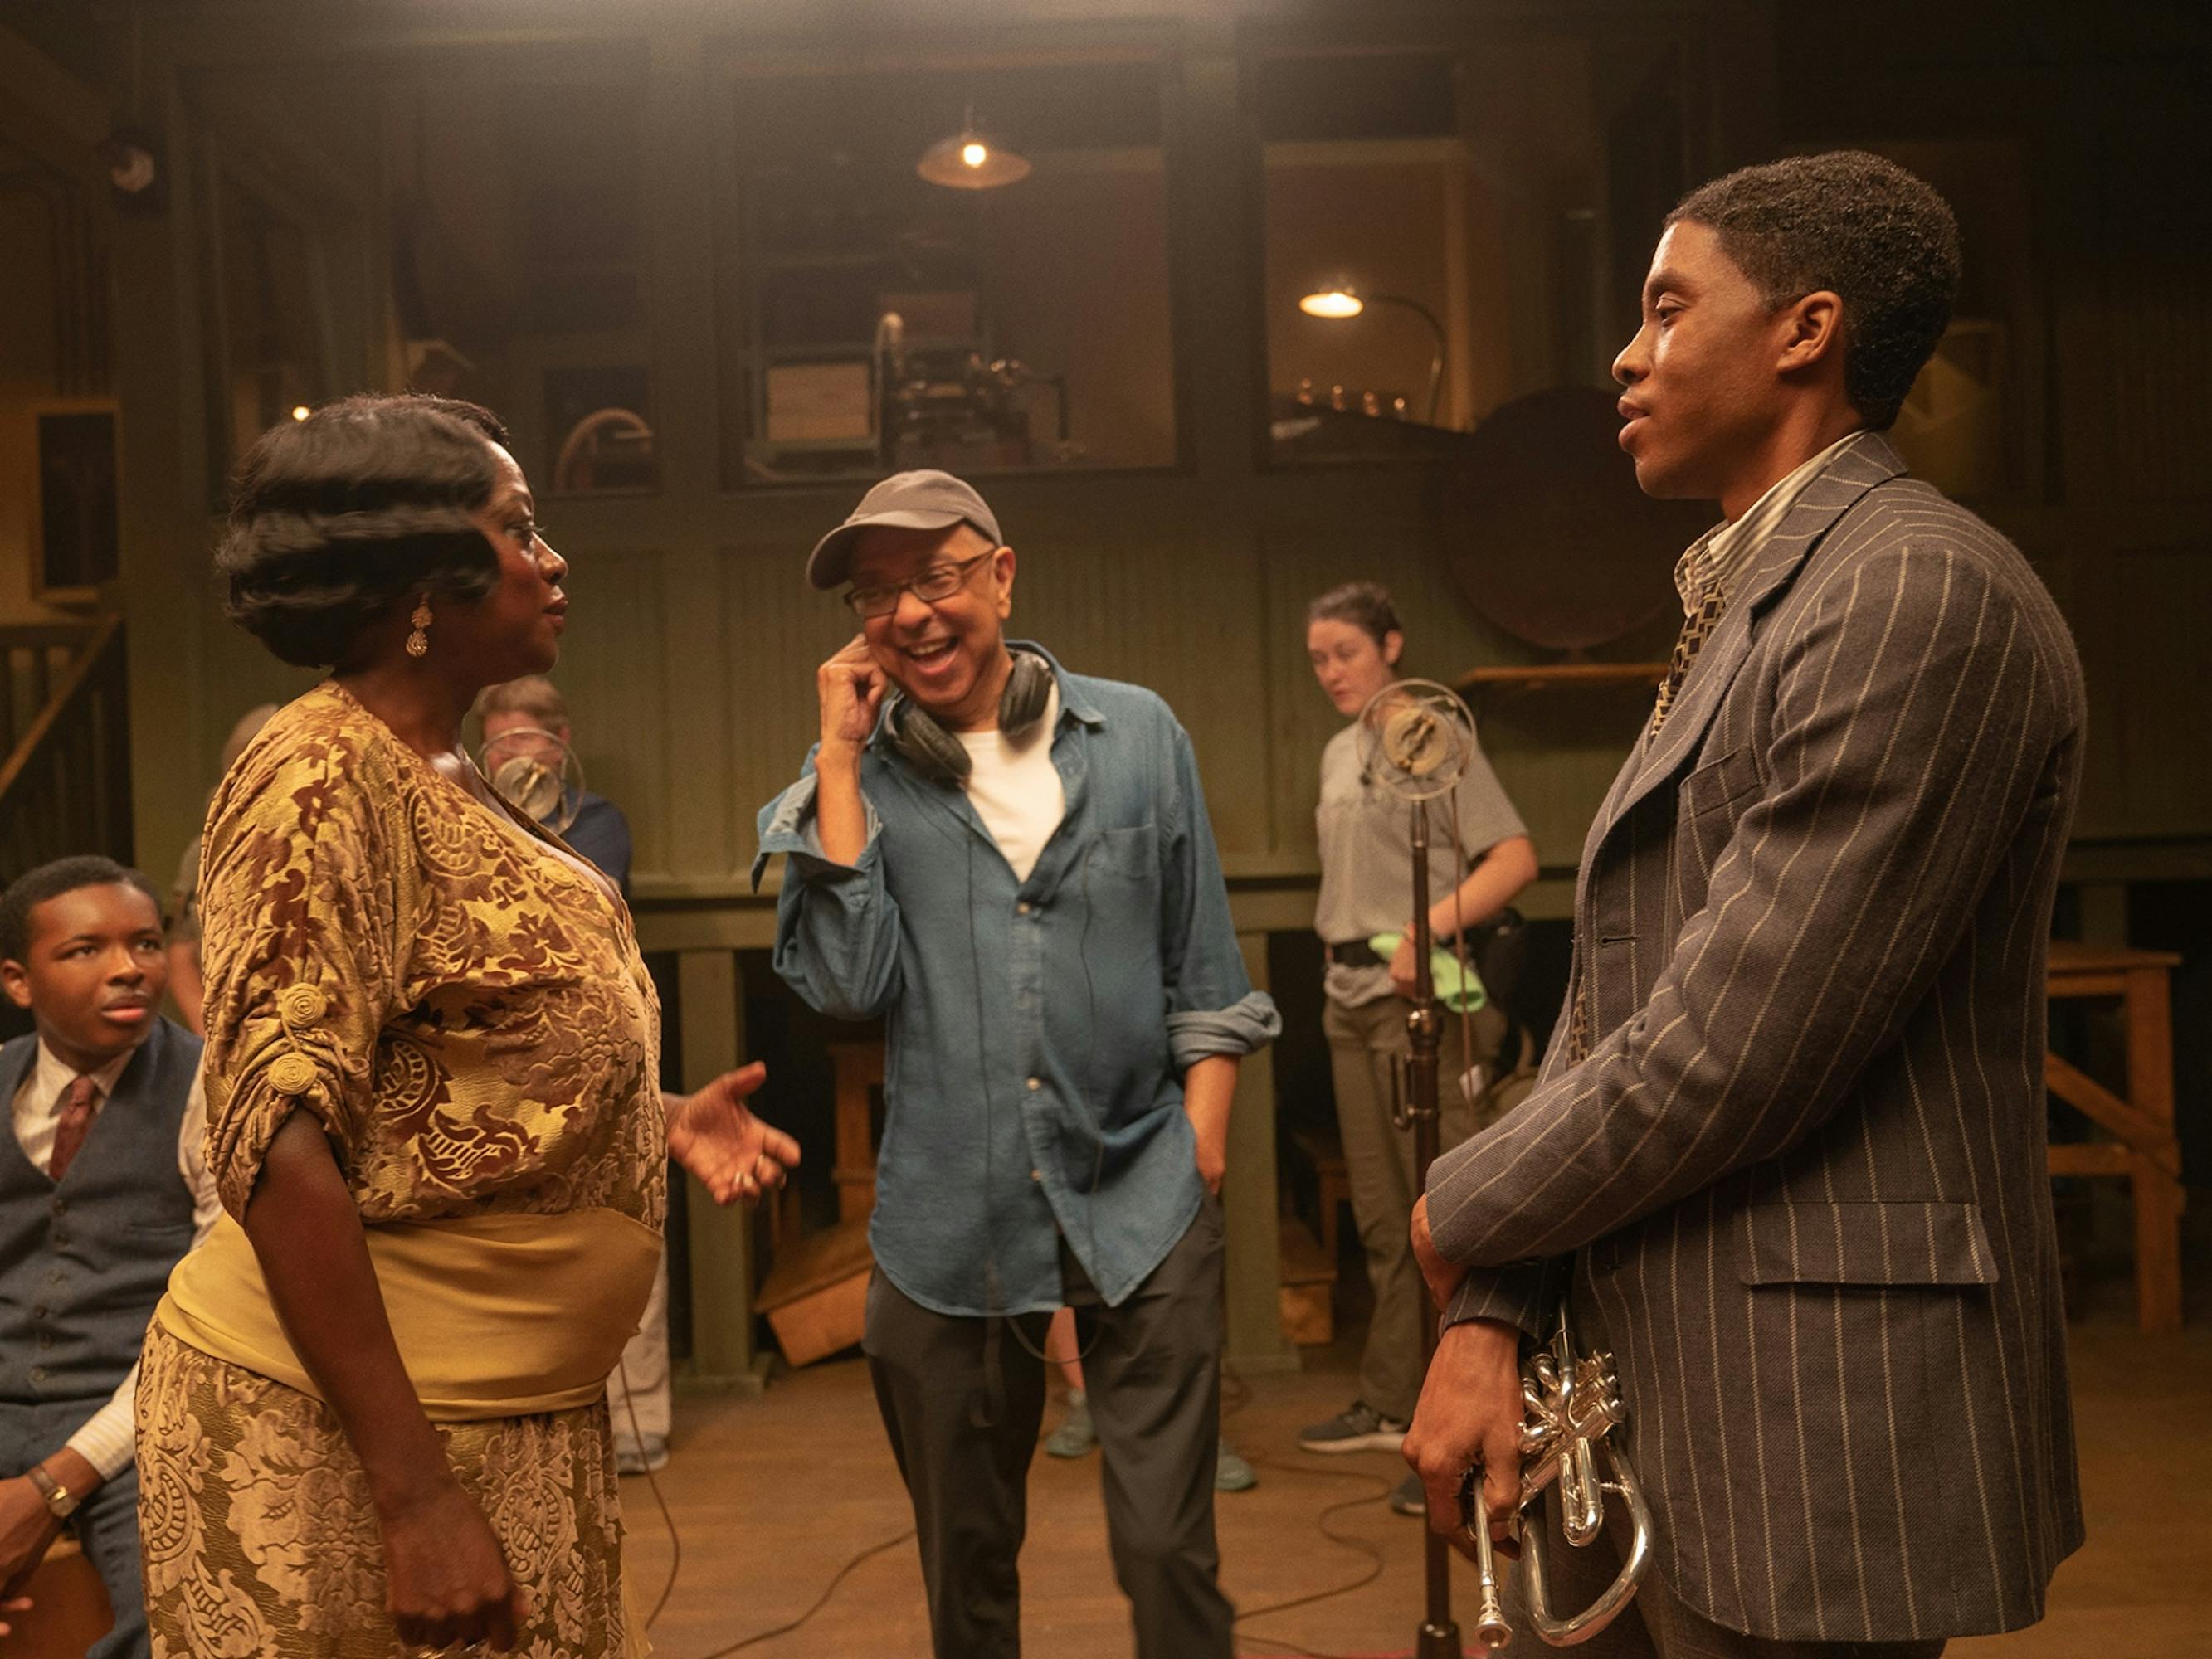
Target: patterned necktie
x,y
1697,628
76,1123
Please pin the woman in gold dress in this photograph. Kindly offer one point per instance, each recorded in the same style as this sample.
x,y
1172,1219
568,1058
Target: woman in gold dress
x,y
371,1418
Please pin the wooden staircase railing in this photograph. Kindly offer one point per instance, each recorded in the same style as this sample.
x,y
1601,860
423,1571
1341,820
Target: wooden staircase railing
x,y
66,784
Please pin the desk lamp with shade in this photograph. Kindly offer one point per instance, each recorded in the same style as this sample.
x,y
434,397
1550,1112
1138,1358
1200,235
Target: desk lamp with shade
x,y
1337,302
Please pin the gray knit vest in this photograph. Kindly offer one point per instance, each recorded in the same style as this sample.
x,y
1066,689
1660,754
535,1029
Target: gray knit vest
x,y
83,1260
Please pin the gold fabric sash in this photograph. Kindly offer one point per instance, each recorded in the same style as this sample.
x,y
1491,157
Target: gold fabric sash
x,y
496,1315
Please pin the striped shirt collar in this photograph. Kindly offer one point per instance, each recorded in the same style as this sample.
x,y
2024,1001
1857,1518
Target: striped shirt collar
x,y
51,1077
1720,556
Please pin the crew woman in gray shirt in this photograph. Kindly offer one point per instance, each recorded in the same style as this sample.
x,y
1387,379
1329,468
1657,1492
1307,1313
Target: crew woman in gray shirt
x,y
1354,641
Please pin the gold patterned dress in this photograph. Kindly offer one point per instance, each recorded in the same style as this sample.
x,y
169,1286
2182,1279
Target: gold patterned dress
x,y
465,1011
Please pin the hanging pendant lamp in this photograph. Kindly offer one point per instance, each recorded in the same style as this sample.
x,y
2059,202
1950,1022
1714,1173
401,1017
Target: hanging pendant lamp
x,y
970,161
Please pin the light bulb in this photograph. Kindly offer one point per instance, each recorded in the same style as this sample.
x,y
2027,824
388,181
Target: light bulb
x,y
300,411
1335,302
974,154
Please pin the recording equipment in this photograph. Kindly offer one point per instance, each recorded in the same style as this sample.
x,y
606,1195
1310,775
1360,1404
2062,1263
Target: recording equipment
x,y
536,773
1416,740
1573,1404
942,757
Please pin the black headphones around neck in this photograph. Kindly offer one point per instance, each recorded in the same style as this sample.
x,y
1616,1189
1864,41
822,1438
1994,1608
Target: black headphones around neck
x,y
943,758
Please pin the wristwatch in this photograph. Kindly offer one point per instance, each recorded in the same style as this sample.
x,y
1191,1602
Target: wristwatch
x,y
60,1500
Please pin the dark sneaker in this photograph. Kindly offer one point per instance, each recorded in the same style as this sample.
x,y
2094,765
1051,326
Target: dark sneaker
x,y
1409,1498
1357,1427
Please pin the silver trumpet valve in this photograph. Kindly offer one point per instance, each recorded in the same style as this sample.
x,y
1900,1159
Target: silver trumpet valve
x,y
1572,1405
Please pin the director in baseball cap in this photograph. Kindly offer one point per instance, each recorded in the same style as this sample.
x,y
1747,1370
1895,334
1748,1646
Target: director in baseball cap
x,y
922,499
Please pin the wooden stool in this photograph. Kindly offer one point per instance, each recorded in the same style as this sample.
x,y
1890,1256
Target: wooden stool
x,y
1306,1298
2144,1149
1325,1153
816,1298
69,1609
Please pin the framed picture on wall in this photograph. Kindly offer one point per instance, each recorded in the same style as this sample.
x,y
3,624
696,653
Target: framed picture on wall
x,y
76,542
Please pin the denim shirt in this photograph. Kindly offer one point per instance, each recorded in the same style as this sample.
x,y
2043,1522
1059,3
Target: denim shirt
x,y
1038,1030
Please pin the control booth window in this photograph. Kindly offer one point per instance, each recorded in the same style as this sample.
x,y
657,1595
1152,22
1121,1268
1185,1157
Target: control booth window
x,y
1449,229
965,269
519,270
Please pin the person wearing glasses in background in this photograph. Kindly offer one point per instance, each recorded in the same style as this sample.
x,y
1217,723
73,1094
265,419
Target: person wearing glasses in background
x,y
1354,641
1015,865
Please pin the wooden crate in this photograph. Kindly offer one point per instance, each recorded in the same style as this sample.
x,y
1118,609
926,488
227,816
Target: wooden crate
x,y
815,1299
1309,1287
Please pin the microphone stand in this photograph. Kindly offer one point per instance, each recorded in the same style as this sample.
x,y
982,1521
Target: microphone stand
x,y
1439,1635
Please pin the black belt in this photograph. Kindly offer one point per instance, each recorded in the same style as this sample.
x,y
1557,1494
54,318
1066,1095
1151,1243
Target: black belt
x,y
1356,953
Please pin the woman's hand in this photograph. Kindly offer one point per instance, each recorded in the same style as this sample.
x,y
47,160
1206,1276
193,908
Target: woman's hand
x,y
13,1604
712,1134
444,1577
1402,966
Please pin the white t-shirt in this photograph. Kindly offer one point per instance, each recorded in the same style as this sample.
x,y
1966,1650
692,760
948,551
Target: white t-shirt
x,y
1016,789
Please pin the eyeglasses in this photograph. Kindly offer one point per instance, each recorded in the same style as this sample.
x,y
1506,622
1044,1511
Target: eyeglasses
x,y
939,581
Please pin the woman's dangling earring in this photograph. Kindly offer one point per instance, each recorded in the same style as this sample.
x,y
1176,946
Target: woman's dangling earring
x,y
418,642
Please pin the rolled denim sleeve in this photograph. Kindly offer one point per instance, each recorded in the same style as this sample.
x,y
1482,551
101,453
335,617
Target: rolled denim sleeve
x,y
836,925
1211,1006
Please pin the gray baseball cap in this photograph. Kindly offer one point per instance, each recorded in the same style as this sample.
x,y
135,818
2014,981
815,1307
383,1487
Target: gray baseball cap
x,y
924,500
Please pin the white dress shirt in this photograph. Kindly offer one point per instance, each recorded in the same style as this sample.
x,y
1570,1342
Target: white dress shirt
x,y
107,1439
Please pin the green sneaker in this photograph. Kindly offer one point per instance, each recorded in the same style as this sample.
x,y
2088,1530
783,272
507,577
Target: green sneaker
x,y
1075,1437
1230,1472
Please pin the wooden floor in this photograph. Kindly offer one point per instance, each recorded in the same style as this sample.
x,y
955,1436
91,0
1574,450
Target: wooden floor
x,y
772,1496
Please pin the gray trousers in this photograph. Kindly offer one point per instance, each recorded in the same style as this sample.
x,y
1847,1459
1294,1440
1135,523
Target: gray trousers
x,y
1378,1163
962,1399
105,1523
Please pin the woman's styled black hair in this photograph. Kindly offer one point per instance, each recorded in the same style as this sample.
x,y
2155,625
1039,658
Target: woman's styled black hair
x,y
335,518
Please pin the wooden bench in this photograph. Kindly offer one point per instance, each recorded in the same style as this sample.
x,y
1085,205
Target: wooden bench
x,y
2143,1149
69,1609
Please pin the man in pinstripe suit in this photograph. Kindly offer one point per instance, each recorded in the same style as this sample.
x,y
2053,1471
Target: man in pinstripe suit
x,y
1786,1159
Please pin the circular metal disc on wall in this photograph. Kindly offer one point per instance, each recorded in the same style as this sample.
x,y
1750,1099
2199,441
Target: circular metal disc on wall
x,y
1546,531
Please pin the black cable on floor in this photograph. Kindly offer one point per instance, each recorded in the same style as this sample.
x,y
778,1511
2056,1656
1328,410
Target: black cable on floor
x,y
1357,1545
820,1601
667,1520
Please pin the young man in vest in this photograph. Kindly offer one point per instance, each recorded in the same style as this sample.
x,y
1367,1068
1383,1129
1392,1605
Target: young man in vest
x,y
102,1187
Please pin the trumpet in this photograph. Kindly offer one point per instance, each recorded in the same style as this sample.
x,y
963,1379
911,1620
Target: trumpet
x,y
1572,1405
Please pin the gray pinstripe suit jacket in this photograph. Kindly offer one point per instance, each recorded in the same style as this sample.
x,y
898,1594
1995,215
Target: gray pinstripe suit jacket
x,y
1800,1178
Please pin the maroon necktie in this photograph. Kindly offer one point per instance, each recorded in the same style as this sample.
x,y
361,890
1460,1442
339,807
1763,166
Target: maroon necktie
x,y
77,1108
